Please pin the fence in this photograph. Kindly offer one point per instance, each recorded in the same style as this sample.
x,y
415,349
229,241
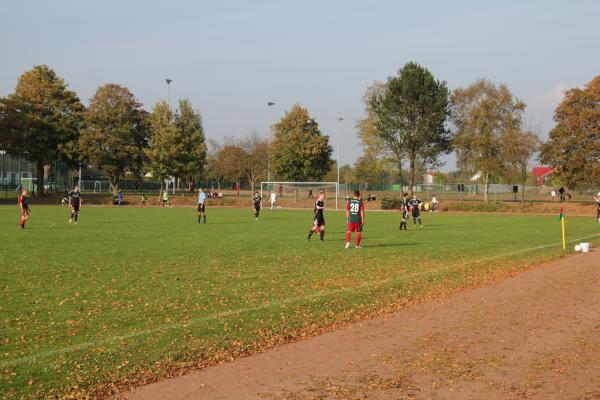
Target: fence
x,y
104,186
473,191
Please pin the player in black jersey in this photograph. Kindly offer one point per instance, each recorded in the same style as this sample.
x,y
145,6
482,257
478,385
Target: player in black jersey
x,y
75,204
319,217
416,212
404,208
256,204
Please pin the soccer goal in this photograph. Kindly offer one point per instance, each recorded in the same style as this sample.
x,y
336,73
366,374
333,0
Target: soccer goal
x,y
302,190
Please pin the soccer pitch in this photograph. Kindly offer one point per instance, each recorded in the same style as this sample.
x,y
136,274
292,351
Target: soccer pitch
x,y
136,294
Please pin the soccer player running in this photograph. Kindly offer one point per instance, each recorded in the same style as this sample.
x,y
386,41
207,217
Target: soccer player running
x,y
201,205
416,213
355,214
24,206
256,204
319,217
75,203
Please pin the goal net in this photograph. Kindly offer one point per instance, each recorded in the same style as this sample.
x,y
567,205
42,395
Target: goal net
x,y
303,190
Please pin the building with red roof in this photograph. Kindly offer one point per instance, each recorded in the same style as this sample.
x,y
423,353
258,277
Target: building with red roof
x,y
542,174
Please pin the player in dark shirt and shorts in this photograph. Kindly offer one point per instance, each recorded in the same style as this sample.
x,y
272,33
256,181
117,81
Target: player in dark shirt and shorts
x,y
416,212
404,208
75,204
319,217
24,206
256,204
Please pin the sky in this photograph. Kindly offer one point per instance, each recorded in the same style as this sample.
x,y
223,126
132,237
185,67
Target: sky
x,y
232,57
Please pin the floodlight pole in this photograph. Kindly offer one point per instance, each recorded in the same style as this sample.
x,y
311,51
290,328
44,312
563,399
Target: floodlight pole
x,y
337,186
169,90
269,133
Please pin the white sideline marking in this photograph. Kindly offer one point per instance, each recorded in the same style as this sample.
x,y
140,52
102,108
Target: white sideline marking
x,y
194,321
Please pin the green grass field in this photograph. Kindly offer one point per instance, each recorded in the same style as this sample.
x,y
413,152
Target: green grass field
x,y
132,294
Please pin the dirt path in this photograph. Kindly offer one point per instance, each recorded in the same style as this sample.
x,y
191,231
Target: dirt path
x,y
533,336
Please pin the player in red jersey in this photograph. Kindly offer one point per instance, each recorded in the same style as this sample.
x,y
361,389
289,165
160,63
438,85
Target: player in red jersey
x,y
355,214
24,206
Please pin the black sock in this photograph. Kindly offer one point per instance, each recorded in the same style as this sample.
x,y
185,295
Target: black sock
x,y
204,218
198,219
72,214
76,215
322,233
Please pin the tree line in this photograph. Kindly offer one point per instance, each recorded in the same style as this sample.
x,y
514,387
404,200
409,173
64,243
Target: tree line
x,y
411,120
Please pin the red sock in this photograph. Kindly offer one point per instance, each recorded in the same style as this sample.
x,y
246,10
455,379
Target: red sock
x,y
348,233
358,238
318,230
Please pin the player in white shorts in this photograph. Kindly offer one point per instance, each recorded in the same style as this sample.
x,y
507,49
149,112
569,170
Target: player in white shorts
x,y
272,199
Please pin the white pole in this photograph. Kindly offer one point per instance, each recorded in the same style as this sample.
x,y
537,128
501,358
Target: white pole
x,y
269,133
337,186
80,182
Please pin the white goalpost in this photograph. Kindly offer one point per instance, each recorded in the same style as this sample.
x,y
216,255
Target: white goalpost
x,y
301,190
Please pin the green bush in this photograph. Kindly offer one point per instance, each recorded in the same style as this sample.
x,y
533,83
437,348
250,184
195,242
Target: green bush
x,y
390,203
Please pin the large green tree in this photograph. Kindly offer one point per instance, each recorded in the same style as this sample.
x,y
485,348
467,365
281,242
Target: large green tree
x,y
369,169
40,121
115,132
165,146
189,162
410,117
484,115
299,151
573,146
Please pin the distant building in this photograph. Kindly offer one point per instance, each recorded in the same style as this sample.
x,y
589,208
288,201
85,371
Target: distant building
x,y
429,178
542,175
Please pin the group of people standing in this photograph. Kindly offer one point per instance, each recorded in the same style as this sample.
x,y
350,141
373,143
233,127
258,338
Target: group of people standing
x,y
355,218
412,206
